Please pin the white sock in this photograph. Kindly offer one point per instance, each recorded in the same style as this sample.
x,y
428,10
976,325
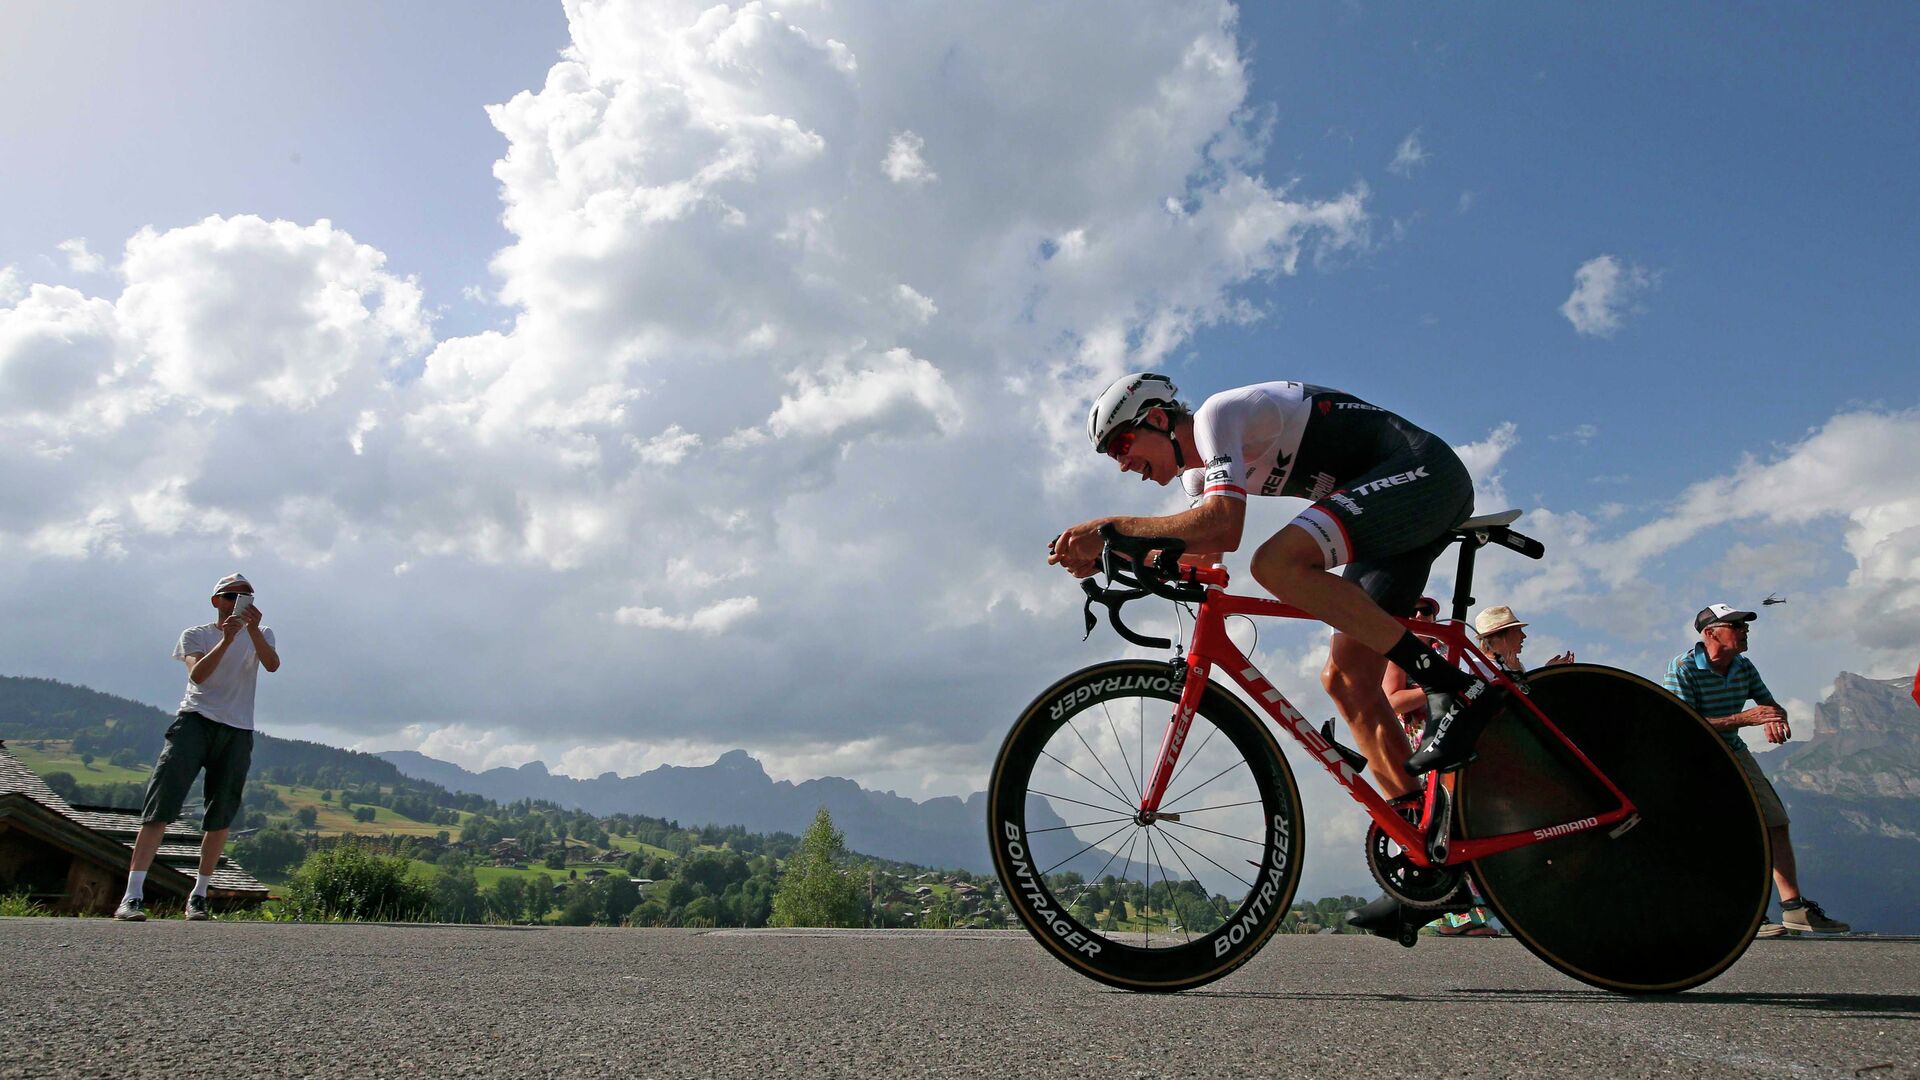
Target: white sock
x,y
200,883
136,885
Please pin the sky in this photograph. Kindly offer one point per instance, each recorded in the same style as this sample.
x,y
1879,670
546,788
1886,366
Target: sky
x,y
618,384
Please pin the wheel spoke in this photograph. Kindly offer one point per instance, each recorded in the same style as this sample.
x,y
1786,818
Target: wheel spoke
x,y
1086,849
1217,832
1119,798
1210,859
1097,760
1082,825
1196,880
1138,789
1146,919
1204,809
1207,781
1109,809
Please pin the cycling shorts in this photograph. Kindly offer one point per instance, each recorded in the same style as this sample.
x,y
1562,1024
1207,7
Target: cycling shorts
x,y
1389,524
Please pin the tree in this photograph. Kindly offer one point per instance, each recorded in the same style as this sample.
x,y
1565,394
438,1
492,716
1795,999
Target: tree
x,y
508,900
87,760
539,897
364,813
814,891
307,816
269,852
456,894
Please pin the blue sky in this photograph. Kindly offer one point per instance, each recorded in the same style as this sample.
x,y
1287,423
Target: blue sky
x,y
575,382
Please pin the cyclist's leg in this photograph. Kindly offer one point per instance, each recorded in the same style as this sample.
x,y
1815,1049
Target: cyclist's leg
x,y
1386,527
1352,679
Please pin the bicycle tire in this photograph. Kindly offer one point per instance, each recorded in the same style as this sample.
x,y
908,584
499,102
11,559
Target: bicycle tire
x,y
1116,957
1666,906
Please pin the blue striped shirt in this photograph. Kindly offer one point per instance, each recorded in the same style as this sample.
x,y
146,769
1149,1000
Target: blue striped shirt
x,y
1692,679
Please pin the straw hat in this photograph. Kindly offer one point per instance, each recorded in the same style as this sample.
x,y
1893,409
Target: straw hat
x,y
1495,619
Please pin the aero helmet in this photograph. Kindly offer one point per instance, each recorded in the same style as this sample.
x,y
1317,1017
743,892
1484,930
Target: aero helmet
x,y
1126,401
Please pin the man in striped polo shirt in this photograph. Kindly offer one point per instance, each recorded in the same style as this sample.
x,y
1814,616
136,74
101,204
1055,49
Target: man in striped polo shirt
x,y
1716,680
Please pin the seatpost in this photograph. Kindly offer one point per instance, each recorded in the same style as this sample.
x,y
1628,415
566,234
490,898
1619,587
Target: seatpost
x,y
1463,580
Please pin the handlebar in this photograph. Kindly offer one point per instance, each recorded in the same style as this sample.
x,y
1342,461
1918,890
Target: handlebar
x,y
1136,567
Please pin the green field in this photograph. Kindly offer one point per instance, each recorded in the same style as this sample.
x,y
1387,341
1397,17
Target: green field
x,y
632,846
48,756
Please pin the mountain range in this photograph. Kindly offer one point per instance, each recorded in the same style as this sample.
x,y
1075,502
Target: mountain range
x,y
736,790
1853,794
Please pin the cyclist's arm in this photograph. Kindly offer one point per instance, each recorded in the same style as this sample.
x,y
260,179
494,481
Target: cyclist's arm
x,y
1211,528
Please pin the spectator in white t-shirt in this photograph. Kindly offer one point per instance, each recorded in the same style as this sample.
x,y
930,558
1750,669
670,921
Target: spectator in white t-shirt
x,y
214,731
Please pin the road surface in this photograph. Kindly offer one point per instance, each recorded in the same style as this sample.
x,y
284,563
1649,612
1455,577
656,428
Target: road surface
x,y
87,997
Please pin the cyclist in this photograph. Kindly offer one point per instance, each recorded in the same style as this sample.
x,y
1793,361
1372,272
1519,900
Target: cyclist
x,y
1384,495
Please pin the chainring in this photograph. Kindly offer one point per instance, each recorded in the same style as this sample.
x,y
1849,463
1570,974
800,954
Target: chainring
x,y
1407,881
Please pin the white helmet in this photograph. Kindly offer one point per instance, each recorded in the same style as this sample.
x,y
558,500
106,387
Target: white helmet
x,y
1126,401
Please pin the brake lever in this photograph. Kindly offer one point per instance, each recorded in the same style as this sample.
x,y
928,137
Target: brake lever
x,y
1113,600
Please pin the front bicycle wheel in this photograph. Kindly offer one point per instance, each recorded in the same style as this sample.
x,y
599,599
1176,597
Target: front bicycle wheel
x,y
1669,904
1160,904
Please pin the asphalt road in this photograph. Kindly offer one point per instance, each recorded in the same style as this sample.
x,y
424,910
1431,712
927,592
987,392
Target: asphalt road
x,y
93,997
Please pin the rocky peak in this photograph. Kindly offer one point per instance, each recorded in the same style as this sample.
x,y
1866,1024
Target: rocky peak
x,y
1866,742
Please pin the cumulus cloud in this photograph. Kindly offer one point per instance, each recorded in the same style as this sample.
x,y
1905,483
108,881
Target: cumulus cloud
x,y
470,748
79,259
746,372
711,620
903,164
1408,156
1605,291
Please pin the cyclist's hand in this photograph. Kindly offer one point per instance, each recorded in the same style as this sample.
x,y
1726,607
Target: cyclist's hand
x,y
1077,549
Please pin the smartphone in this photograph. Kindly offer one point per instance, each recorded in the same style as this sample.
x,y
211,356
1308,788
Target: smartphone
x,y
241,603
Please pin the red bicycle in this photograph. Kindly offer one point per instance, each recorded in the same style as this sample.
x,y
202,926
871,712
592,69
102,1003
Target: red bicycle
x,y
1609,828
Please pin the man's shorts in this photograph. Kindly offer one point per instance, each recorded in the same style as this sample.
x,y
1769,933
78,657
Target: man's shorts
x,y
1772,811
193,743
1388,525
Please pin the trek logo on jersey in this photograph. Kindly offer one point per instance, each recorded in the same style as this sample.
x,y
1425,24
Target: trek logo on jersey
x,y
1391,481
1359,405
1278,476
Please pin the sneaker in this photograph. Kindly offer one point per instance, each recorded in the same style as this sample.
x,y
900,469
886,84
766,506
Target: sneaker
x,y
1448,742
131,909
1772,929
197,909
1805,915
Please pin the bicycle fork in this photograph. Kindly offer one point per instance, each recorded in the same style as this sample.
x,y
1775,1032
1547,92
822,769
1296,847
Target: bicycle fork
x,y
1191,674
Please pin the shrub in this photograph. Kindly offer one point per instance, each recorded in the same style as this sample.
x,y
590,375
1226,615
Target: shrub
x,y
347,881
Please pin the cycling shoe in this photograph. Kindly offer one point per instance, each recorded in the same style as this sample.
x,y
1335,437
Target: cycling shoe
x,y
1447,743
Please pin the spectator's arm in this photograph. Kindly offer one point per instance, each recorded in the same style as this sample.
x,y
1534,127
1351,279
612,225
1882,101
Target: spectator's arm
x,y
262,645
201,668
1402,696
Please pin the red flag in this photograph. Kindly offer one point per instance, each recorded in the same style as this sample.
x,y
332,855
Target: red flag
x,y
1916,686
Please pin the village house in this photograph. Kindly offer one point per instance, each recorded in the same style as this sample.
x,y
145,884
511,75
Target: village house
x,y
73,859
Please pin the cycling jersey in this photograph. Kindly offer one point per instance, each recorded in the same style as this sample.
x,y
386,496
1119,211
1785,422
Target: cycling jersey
x,y
1385,493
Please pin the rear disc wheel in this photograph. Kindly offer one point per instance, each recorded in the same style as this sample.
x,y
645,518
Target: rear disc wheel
x,y
1669,904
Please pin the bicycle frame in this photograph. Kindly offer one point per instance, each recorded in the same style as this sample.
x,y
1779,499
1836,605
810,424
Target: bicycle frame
x,y
1211,647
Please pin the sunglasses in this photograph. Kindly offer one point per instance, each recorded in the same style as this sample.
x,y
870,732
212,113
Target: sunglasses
x,y
1120,443
232,595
